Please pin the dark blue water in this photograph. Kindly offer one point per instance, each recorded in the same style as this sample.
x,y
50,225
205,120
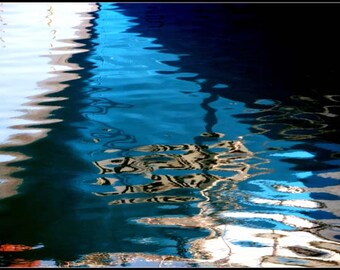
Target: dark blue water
x,y
191,133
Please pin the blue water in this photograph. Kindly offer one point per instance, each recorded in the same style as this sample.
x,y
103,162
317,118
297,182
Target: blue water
x,y
176,118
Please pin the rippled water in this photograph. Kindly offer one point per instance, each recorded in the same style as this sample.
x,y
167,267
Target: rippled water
x,y
163,135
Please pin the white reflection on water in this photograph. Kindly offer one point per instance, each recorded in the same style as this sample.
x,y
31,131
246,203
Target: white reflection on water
x,y
251,247
36,39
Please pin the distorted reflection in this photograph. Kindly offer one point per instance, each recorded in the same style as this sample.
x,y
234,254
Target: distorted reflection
x,y
271,218
306,120
222,157
37,53
157,157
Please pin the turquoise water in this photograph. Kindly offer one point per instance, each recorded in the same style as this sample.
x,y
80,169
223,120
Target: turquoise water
x,y
155,150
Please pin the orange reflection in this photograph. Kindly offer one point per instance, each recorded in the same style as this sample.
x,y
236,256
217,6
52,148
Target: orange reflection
x,y
24,263
13,248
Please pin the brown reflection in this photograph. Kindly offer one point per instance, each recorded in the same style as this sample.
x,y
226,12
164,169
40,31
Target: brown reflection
x,y
228,157
41,61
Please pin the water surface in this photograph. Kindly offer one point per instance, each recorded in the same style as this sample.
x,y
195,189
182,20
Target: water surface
x,y
164,140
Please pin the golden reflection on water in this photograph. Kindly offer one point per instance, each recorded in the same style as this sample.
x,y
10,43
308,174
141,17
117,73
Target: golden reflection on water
x,y
33,65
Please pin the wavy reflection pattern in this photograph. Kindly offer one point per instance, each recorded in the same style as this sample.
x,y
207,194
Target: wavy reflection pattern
x,y
173,172
305,118
37,41
225,161
252,201
34,64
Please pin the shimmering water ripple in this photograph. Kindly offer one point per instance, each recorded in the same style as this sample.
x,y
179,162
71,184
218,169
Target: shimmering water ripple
x,y
35,57
165,174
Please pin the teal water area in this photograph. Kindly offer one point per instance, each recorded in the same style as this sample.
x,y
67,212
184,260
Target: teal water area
x,y
174,117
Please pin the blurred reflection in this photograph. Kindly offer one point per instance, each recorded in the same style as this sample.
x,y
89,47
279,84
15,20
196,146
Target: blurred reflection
x,y
164,195
37,39
289,200
223,177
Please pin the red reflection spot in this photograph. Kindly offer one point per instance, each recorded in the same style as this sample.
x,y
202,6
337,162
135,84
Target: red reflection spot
x,y
11,248
24,263
19,262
